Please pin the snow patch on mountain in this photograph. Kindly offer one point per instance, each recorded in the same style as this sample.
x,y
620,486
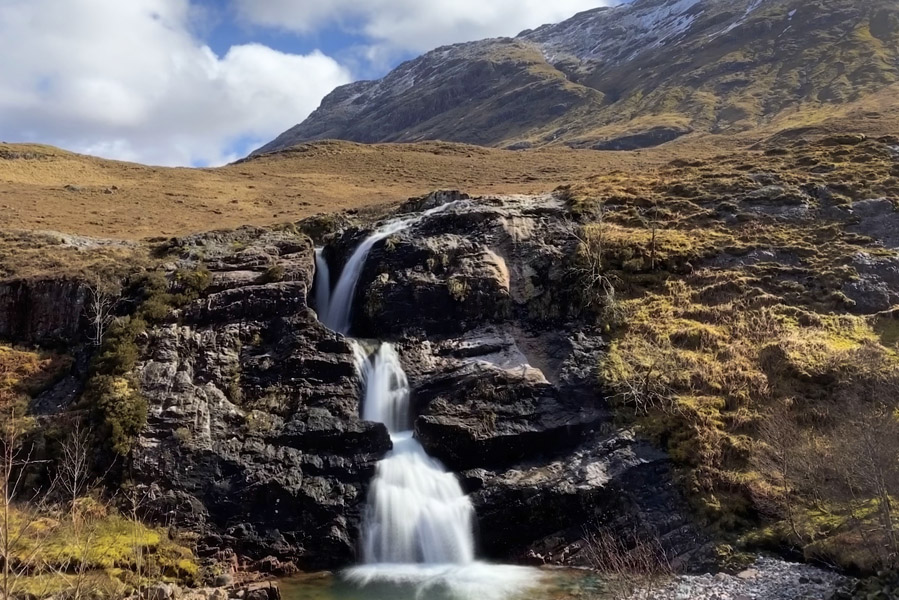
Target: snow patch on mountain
x,y
753,5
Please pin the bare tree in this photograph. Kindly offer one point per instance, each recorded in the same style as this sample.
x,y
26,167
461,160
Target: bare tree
x,y
628,559
781,455
74,465
21,537
102,298
867,459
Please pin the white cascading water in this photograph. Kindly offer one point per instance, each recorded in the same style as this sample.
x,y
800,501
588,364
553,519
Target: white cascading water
x,y
340,305
417,512
419,525
322,283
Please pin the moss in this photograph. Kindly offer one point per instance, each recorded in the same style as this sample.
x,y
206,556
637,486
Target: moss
x,y
273,274
458,288
713,335
887,328
390,244
234,392
30,372
183,435
106,545
190,284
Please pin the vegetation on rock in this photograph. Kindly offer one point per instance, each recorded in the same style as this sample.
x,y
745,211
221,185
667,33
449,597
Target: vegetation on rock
x,y
735,345
57,534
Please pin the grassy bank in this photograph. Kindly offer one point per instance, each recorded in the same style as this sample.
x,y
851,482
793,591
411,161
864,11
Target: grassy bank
x,y
735,347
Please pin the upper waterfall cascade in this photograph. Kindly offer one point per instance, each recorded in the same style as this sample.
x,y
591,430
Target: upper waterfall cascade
x,y
339,303
418,525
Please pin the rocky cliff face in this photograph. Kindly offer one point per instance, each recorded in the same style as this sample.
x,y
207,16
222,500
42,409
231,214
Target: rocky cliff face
x,y
254,438
636,75
42,311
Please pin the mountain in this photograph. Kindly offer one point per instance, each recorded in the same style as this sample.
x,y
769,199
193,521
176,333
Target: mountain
x,y
626,77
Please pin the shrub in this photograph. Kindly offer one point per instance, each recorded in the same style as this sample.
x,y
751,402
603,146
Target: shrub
x,y
627,560
189,285
120,409
119,352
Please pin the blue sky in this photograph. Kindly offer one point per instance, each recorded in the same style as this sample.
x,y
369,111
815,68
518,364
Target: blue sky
x,y
203,82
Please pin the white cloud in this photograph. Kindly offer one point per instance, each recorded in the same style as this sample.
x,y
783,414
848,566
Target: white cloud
x,y
400,26
127,79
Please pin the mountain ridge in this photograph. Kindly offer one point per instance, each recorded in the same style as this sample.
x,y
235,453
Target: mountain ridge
x,y
667,67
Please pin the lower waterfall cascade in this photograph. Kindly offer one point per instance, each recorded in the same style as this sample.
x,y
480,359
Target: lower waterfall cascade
x,y
418,525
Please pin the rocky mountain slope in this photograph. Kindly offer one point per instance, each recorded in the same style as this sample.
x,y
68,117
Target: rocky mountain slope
x,y
635,75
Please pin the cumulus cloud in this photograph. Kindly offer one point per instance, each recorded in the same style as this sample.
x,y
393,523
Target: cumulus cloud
x,y
395,27
128,79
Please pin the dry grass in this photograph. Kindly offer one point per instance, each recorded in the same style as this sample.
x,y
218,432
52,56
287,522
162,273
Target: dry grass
x,y
48,253
27,372
47,189
119,200
726,313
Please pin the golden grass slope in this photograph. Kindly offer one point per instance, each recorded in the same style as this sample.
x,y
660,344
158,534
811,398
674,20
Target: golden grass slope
x,y
44,188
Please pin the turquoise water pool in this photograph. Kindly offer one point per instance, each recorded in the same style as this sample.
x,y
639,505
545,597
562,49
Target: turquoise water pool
x,y
481,581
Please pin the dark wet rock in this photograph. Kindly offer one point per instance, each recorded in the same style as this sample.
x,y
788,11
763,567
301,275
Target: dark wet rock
x,y
475,262
877,286
43,311
540,455
254,437
481,404
781,201
460,286
879,219
265,590
257,443
253,302
843,139
540,511
755,257
656,136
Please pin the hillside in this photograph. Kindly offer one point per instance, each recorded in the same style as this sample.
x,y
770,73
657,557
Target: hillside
x,y
632,76
46,188
49,198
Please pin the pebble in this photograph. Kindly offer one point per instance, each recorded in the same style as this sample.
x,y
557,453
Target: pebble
x,y
767,579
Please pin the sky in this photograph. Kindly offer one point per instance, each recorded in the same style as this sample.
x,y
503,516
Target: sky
x,y
204,82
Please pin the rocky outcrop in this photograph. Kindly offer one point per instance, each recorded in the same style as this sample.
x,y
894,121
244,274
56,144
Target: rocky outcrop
x,y
45,312
476,263
656,136
254,437
504,392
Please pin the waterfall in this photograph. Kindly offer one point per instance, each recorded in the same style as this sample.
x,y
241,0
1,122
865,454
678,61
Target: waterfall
x,y
322,283
386,398
418,527
417,512
337,317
